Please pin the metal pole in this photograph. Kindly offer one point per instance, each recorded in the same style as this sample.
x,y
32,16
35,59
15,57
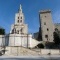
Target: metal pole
x,y
21,39
27,41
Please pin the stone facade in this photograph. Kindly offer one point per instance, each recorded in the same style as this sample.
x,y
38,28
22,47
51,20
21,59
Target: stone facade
x,y
47,26
20,40
2,40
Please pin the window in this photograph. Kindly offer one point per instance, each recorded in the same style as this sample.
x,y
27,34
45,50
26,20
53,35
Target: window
x,y
18,21
46,36
44,23
13,31
45,16
18,32
21,30
47,29
18,17
21,17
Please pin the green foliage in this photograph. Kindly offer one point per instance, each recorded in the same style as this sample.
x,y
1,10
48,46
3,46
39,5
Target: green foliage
x,y
56,37
40,45
39,35
2,31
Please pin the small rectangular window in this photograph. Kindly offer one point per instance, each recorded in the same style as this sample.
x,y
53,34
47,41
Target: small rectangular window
x,y
45,16
46,36
21,17
18,17
47,29
18,21
18,32
44,23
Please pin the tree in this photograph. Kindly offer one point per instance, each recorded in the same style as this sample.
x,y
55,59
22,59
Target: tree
x,y
56,36
2,31
40,45
39,35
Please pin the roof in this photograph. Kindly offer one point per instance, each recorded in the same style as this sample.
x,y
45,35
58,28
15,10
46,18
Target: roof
x,y
45,11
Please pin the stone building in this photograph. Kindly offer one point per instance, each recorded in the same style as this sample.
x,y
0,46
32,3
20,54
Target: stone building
x,y
19,32
46,24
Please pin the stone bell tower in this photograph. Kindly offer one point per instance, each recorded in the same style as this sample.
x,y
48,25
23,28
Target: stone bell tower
x,y
47,26
19,27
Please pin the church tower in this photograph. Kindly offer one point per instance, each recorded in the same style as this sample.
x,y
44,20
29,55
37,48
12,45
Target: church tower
x,y
19,27
19,32
19,17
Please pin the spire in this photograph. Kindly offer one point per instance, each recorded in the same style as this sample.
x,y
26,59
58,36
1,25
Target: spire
x,y
20,8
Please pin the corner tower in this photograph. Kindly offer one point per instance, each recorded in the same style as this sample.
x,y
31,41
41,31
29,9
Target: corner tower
x,y
47,27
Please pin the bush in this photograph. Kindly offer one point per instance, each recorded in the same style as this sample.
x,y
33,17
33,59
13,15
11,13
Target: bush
x,y
40,45
2,31
56,38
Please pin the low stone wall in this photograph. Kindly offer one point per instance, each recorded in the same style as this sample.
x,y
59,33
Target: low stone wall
x,y
48,51
21,51
24,40
2,40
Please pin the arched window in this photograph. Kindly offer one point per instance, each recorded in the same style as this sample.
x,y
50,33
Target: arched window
x,y
18,21
21,17
18,17
21,30
18,32
47,29
13,31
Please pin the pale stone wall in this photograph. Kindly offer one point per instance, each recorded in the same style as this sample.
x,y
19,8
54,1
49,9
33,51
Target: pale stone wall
x,y
18,40
45,51
33,43
2,40
55,51
21,40
20,51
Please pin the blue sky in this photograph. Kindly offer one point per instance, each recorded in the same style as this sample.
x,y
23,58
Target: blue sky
x,y
31,9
